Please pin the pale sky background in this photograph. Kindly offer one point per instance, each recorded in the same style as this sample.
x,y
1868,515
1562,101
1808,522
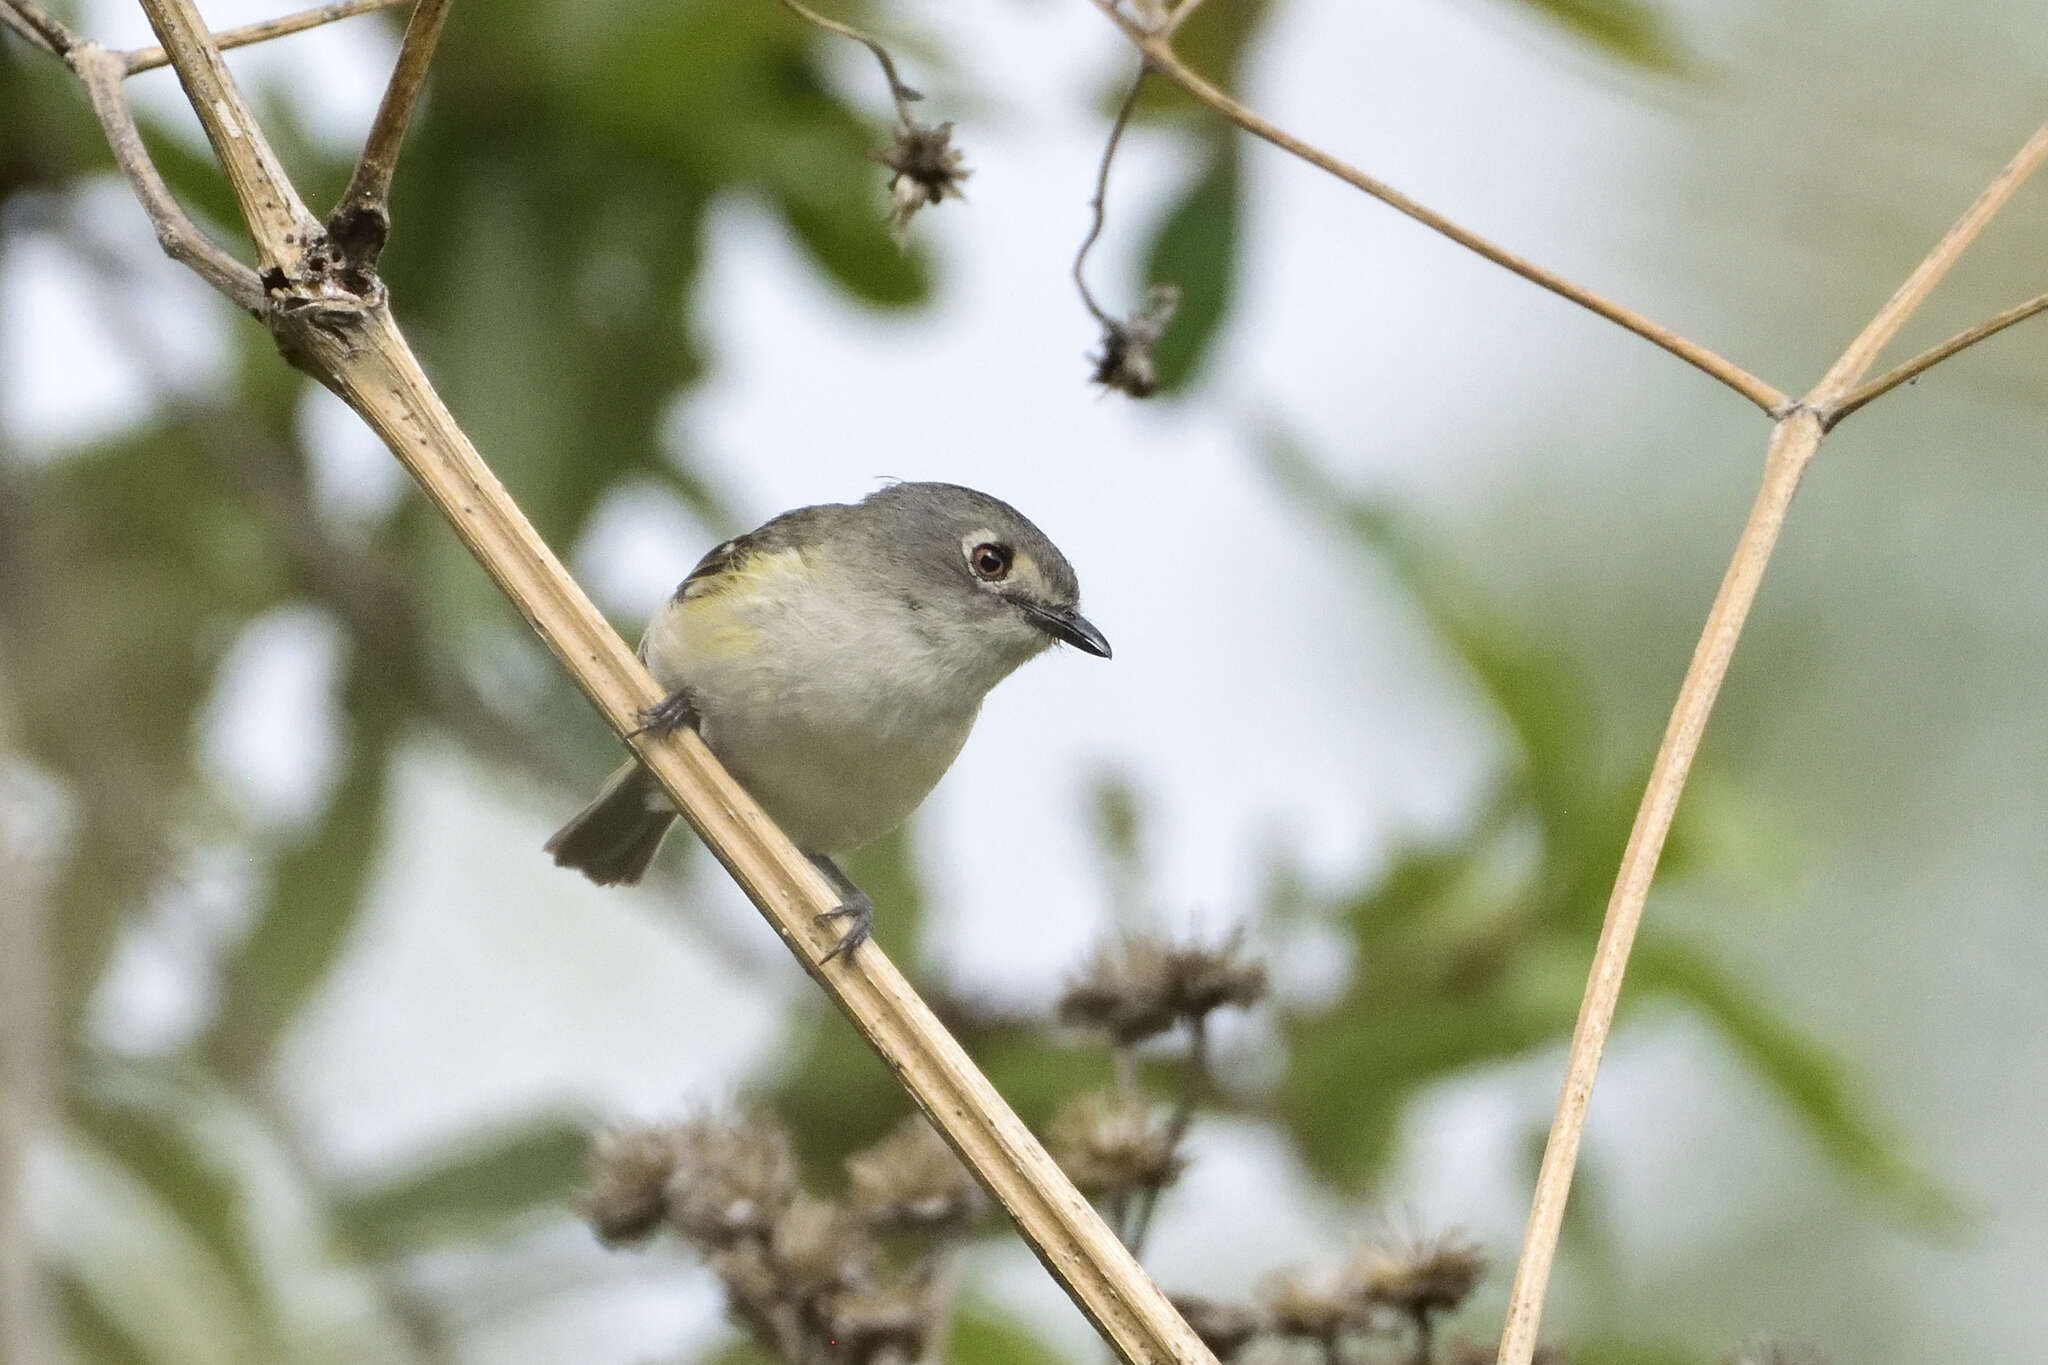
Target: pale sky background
x,y
1263,690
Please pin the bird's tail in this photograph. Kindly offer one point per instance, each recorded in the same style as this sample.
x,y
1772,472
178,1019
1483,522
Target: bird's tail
x,y
613,839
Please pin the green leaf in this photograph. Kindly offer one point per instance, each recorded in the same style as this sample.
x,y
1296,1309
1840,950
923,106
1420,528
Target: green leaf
x,y
469,1194
157,1145
1813,1081
94,1335
1196,249
1628,29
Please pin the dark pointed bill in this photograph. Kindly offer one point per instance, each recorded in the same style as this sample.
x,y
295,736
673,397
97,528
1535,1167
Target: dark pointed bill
x,y
1064,623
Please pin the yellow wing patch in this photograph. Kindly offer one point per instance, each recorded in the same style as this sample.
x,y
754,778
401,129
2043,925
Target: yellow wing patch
x,y
717,609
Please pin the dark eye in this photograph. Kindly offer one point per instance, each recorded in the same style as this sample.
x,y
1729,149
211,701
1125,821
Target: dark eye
x,y
989,561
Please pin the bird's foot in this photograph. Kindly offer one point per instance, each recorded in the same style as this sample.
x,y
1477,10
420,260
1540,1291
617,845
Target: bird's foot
x,y
676,711
859,910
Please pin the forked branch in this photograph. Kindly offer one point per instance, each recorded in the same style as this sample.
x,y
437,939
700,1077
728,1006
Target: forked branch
x,y
1158,50
335,322
1932,356
1794,441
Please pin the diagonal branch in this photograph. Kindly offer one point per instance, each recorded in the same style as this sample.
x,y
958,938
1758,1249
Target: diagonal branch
x,y
149,58
349,340
361,222
1932,356
1160,53
1794,441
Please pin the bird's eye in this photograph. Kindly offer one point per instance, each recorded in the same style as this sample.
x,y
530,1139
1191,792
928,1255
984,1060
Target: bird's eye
x,y
989,561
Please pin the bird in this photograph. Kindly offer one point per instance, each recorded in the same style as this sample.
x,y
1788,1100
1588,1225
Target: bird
x,y
834,660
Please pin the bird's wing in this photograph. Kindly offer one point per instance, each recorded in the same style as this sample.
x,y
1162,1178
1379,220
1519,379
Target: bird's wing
x,y
730,561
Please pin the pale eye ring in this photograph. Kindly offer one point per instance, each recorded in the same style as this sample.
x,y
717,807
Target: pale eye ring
x,y
989,561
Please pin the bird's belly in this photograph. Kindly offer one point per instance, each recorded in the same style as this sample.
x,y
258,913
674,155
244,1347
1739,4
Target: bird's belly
x,y
833,788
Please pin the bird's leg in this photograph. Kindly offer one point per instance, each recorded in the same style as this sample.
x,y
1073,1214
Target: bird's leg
x,y
676,711
855,906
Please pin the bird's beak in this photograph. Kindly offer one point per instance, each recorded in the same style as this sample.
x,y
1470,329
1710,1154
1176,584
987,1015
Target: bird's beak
x,y
1064,623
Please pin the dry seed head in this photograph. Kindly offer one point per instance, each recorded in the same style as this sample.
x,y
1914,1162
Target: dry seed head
x,y
1315,1306
1225,1328
625,1178
1125,989
732,1178
1125,362
1139,985
912,1179
818,1249
1417,1275
1106,1145
926,168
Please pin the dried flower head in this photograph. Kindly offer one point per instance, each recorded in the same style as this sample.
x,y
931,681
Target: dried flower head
x,y
1225,1328
818,1249
892,1323
912,1179
1125,363
1125,989
1317,1307
732,1178
625,1178
1106,1145
926,168
1417,1276
1139,985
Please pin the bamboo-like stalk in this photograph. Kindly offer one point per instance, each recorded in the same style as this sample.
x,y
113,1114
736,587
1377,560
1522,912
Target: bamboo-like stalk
x,y
348,339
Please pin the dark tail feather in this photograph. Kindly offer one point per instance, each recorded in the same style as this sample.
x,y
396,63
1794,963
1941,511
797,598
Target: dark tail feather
x,y
613,839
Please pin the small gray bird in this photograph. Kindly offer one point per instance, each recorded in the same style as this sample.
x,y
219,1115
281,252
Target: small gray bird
x,y
835,660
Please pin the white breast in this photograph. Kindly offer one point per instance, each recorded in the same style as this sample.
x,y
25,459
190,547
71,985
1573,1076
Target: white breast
x,y
833,709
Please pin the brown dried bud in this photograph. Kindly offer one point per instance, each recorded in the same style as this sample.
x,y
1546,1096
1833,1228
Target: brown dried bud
x,y
927,171
1139,985
1106,1145
732,1178
912,1179
819,1249
1125,989
1225,1328
1318,1307
625,1176
1125,363
1417,1276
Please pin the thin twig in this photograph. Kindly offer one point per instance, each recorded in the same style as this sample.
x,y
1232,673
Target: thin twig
x,y
50,32
361,222
1181,15
23,29
1932,356
181,238
1194,1082
351,342
1794,440
1116,133
1862,352
902,94
149,58
1163,60
277,218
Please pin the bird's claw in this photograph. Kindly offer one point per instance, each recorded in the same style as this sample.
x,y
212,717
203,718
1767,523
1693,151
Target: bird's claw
x,y
861,911
676,711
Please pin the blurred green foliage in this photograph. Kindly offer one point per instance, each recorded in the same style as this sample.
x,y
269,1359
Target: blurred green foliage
x,y
550,222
